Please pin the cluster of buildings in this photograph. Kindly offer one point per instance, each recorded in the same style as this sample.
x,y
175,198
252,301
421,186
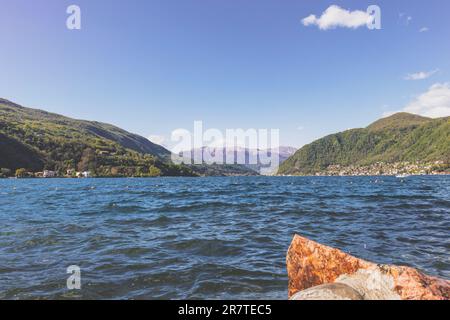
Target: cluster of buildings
x,y
70,173
388,169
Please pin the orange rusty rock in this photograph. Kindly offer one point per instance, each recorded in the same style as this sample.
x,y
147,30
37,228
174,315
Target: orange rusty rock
x,y
311,264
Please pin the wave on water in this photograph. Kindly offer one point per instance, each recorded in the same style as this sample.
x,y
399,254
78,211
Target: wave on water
x,y
184,238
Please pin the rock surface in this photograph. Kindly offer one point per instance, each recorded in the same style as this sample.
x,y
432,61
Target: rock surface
x,y
317,271
330,291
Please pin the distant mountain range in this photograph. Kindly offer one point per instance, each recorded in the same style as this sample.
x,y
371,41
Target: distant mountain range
x,y
245,154
402,137
35,140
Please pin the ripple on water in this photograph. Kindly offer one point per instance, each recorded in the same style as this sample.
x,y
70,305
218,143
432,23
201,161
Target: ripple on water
x,y
174,238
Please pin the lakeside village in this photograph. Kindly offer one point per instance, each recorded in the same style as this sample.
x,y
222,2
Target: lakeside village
x,y
23,173
376,169
388,169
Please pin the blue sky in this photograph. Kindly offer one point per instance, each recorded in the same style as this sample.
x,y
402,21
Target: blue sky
x,y
154,66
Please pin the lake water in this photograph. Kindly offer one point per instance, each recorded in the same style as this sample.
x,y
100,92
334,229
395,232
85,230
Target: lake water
x,y
198,238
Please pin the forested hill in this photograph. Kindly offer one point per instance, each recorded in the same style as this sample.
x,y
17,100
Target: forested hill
x,y
402,137
35,140
12,112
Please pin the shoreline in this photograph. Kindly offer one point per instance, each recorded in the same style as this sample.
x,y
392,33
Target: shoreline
x,y
231,176
369,175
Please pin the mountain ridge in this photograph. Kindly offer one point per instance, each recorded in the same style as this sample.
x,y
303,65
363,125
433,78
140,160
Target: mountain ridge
x,y
105,130
401,137
35,140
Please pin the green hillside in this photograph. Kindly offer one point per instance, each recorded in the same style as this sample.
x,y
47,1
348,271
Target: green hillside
x,y
36,140
402,137
15,154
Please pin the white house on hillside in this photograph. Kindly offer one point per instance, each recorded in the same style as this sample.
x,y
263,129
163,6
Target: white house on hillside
x,y
49,174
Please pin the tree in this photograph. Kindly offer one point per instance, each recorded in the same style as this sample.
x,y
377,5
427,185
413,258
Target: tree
x,y
88,160
5,172
154,171
21,173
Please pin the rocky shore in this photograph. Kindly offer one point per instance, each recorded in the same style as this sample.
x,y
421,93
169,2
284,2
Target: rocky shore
x,y
319,272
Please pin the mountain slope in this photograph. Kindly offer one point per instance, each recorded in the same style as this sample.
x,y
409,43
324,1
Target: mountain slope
x,y
15,154
401,137
12,112
36,140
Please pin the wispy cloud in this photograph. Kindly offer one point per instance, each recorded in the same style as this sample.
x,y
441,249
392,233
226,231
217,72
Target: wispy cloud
x,y
420,75
424,29
335,16
433,103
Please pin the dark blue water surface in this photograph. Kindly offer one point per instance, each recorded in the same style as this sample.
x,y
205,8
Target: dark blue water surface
x,y
171,238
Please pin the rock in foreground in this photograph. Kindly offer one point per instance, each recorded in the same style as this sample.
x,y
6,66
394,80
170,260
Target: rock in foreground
x,y
318,272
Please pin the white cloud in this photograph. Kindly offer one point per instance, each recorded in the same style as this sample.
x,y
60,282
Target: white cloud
x,y
424,29
434,103
335,16
420,75
156,139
